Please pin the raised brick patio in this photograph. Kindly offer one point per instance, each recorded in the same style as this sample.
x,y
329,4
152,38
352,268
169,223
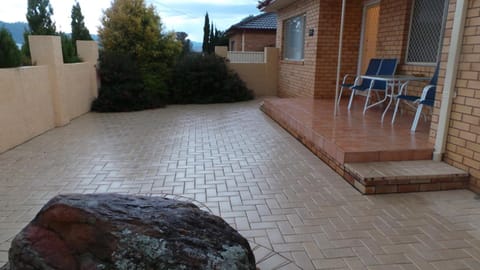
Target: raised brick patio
x,y
351,138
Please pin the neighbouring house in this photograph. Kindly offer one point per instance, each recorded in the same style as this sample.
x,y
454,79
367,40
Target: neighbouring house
x,y
419,33
253,33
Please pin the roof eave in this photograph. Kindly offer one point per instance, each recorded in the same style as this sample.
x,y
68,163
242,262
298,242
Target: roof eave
x,y
277,5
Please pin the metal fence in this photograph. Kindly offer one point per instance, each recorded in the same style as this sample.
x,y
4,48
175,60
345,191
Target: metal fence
x,y
246,57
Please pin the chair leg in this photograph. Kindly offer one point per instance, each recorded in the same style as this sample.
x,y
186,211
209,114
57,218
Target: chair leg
x,y
395,111
417,117
339,95
367,99
378,95
351,99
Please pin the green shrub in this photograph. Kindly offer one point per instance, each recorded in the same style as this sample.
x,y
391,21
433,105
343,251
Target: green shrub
x,y
206,79
68,50
9,53
124,87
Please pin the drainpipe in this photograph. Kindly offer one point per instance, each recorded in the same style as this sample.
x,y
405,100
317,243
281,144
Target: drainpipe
x,y
339,60
450,79
243,41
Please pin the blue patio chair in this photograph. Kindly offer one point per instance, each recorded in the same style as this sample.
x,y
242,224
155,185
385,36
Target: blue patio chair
x,y
372,69
427,98
387,67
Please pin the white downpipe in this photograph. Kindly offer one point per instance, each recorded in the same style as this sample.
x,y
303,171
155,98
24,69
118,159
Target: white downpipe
x,y
450,79
339,61
243,41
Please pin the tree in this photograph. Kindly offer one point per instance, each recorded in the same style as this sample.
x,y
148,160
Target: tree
x,y
221,38
206,34
39,13
186,44
9,53
79,31
130,26
131,33
68,49
211,39
39,19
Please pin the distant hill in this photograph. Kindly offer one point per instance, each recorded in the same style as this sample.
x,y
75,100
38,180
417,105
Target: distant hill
x,y
17,29
197,46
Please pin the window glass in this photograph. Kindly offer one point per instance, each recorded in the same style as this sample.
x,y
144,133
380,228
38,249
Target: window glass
x,y
294,39
426,29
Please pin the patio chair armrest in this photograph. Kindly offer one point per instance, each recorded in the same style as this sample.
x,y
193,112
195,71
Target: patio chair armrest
x,y
345,78
425,91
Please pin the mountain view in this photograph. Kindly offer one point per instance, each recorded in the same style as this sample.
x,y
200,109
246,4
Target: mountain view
x,y
17,29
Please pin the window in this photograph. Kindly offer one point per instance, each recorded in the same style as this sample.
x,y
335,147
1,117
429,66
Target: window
x,y
426,29
232,45
294,38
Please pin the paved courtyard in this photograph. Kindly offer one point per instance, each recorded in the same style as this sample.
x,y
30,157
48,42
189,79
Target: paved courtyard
x,y
248,170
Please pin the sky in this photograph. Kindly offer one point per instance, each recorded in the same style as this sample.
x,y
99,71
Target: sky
x,y
179,15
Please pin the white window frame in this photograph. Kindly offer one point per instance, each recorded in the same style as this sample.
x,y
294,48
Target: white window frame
x,y
285,38
440,41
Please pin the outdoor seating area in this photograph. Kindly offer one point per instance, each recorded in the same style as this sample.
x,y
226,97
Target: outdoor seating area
x,y
380,78
352,137
372,81
427,98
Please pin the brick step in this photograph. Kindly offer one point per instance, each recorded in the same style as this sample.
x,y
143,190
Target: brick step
x,y
404,176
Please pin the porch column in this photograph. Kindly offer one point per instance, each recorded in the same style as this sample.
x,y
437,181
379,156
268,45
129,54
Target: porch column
x,y
339,61
450,78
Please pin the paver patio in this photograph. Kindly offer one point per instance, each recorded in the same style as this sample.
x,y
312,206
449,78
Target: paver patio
x,y
247,169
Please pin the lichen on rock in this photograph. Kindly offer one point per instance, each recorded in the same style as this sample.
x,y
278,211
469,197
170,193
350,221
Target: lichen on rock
x,y
112,231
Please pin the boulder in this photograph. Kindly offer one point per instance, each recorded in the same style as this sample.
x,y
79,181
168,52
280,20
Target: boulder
x,y
112,231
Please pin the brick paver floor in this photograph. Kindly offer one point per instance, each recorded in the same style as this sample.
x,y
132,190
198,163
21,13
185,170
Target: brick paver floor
x,y
247,169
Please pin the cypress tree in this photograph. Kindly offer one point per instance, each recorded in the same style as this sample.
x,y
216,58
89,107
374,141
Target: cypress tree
x,y
206,34
79,31
211,39
39,19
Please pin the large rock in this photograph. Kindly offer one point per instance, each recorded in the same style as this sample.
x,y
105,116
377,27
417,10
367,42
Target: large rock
x,y
111,231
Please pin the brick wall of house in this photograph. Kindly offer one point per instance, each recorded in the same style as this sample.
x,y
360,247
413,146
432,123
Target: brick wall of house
x,y
237,39
327,42
316,75
255,41
297,78
463,141
394,27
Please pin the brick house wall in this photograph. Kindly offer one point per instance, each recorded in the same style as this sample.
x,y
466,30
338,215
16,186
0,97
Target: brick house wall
x,y
237,42
297,78
463,141
328,37
315,76
255,41
394,26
